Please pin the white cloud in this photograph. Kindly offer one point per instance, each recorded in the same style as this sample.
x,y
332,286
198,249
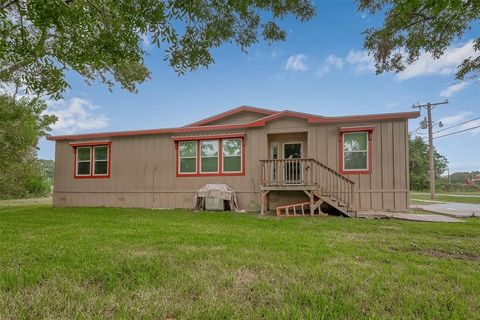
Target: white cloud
x,y
458,118
297,62
76,115
332,61
361,60
445,65
454,88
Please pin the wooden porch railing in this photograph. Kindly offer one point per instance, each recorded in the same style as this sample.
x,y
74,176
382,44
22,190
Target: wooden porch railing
x,y
288,173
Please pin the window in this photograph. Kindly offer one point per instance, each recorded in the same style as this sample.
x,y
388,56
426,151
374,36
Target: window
x,y
232,155
83,161
355,151
209,156
92,161
188,156
100,160
217,155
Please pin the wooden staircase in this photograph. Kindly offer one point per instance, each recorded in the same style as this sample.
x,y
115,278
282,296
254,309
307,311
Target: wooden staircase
x,y
319,182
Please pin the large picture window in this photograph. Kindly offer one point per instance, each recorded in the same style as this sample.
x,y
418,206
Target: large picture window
x,y
188,157
92,161
223,155
355,152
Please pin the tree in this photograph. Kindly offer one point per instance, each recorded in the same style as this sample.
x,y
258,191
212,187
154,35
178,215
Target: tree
x,y
22,122
102,39
413,27
419,164
48,168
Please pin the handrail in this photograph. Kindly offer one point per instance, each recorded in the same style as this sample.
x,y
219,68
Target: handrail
x,y
308,172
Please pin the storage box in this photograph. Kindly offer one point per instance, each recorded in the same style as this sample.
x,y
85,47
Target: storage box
x,y
214,204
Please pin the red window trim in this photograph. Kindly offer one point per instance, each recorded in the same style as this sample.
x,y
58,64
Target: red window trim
x,y
220,157
369,130
92,162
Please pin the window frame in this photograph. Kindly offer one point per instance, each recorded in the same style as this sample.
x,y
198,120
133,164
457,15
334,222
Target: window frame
x,y
349,130
77,161
179,159
219,138
219,150
91,146
92,151
223,156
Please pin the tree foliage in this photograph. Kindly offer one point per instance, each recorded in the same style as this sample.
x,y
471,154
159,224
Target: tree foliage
x,y
102,39
416,26
22,123
420,164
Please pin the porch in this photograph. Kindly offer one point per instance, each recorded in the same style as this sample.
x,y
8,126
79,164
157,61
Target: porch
x,y
319,182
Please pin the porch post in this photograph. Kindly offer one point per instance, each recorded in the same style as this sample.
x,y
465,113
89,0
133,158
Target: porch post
x,y
264,202
312,203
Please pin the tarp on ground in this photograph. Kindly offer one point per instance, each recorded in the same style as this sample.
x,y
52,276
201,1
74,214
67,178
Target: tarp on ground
x,y
218,191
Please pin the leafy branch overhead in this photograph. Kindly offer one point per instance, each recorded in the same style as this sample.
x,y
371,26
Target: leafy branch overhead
x,y
416,26
40,40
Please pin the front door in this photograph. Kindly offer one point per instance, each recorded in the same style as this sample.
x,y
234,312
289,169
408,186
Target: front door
x,y
293,168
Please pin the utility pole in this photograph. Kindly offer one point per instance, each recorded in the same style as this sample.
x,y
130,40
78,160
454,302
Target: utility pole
x,y
429,107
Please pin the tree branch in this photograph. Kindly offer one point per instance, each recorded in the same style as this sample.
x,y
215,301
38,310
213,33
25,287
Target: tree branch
x,y
14,67
7,4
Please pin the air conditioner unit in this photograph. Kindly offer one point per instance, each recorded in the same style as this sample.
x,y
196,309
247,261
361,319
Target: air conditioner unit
x,y
214,204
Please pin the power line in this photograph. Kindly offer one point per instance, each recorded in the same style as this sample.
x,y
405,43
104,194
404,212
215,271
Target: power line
x,y
449,134
429,107
457,125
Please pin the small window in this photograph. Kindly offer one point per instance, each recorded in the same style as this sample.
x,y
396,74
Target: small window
x,y
209,156
355,151
188,156
232,155
83,161
100,160
92,161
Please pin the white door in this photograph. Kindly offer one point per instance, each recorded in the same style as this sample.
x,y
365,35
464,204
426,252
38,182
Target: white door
x,y
292,172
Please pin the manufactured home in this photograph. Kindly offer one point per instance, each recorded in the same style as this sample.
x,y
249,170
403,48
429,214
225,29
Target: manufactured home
x,y
271,159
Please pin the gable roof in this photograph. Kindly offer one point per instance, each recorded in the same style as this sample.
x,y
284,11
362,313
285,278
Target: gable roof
x,y
231,112
269,115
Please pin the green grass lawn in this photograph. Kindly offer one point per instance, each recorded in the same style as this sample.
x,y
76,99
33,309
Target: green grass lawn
x,y
460,198
125,263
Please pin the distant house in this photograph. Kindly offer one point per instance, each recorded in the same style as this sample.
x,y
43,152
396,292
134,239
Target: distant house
x,y
270,158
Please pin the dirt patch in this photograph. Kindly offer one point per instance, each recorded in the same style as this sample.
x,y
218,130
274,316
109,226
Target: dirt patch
x,y
244,277
441,254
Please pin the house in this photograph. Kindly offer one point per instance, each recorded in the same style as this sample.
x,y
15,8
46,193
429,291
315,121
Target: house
x,y
270,158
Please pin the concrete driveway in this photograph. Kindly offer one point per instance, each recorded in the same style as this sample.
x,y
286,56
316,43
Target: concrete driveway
x,y
459,210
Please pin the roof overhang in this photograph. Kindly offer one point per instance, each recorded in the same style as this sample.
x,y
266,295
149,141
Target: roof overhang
x,y
310,118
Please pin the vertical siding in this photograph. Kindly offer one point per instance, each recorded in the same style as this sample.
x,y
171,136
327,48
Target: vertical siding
x,y
143,171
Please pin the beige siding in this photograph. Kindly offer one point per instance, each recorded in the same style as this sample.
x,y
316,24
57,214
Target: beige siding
x,y
386,187
241,117
143,169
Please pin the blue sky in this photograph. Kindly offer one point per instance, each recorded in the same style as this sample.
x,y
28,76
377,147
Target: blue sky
x,y
320,69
